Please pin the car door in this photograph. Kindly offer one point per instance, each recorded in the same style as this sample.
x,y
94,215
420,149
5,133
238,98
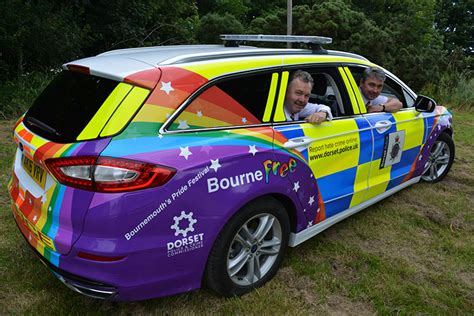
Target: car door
x,y
397,137
338,153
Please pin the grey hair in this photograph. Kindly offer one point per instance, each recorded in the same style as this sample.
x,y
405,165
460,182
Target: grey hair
x,y
303,76
376,73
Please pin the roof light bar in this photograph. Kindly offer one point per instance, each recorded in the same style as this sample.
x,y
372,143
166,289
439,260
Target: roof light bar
x,y
319,40
314,42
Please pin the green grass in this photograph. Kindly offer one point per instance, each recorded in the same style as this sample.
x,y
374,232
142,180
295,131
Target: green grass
x,y
412,253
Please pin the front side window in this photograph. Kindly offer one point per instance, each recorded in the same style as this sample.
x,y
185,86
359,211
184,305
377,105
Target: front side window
x,y
232,102
391,89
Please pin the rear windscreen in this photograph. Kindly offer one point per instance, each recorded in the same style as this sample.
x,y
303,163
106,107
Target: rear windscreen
x,y
67,105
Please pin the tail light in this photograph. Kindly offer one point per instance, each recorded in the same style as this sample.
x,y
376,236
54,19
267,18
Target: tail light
x,y
106,174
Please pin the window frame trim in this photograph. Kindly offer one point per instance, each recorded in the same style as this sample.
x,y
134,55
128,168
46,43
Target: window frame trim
x,y
334,66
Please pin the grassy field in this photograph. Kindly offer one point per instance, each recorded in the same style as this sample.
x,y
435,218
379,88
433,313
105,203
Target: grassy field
x,y
412,253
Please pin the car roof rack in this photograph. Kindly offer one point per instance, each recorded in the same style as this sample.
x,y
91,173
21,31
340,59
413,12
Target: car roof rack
x,y
314,42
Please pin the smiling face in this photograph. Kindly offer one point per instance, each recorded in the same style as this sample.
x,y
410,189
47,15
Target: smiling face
x,y
297,95
371,87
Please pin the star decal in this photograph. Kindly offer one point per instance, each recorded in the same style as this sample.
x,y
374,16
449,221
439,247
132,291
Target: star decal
x,y
421,156
244,120
310,223
317,211
199,113
183,124
311,200
185,152
296,186
160,136
215,164
166,87
252,150
34,218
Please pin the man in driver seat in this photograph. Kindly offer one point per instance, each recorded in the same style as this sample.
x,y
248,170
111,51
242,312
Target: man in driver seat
x,y
297,97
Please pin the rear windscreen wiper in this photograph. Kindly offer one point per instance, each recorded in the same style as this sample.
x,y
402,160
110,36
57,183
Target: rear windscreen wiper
x,y
42,125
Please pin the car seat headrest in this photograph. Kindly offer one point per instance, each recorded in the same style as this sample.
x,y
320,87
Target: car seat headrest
x,y
320,84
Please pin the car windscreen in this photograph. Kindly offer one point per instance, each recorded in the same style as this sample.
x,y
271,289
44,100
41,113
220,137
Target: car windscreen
x,y
67,105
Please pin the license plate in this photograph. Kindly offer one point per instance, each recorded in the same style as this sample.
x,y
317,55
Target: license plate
x,y
36,172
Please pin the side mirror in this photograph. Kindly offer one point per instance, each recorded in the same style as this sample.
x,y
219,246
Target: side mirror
x,y
424,104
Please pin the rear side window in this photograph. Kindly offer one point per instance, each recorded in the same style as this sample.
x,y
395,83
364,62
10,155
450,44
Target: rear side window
x,y
232,102
76,106
67,105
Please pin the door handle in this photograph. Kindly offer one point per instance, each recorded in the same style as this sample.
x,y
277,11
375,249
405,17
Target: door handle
x,y
299,143
383,126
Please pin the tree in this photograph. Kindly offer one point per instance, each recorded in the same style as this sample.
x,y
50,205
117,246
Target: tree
x,y
34,40
213,24
132,23
455,20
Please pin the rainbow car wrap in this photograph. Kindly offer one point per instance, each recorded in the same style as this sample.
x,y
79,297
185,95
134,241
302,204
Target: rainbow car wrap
x,y
155,240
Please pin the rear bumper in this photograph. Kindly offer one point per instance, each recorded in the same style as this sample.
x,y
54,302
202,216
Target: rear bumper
x,y
79,284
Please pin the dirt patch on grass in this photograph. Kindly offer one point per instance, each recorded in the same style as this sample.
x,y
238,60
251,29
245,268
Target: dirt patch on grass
x,y
299,286
341,305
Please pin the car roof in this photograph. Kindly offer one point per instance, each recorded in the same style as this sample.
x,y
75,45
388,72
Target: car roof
x,y
118,64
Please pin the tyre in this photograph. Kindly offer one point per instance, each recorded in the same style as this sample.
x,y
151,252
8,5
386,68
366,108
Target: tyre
x,y
440,159
250,248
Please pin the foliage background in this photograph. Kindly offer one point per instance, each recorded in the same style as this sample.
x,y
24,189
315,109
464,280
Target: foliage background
x,y
427,43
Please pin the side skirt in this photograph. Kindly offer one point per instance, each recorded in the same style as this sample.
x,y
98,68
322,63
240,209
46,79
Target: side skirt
x,y
298,238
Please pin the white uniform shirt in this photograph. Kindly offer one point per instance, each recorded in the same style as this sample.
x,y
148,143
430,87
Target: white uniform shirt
x,y
309,109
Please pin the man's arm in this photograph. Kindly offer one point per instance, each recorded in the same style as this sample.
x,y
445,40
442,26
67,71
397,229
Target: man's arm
x,y
392,105
316,113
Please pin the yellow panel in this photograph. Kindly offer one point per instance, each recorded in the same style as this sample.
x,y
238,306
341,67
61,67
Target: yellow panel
x,y
37,142
360,183
355,108
109,106
211,70
125,111
378,179
413,126
289,60
356,90
279,113
331,153
153,113
271,98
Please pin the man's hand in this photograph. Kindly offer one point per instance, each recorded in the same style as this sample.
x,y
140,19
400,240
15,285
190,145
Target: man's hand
x,y
375,108
316,117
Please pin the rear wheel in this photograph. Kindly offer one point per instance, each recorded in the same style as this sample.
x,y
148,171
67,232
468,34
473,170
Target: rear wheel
x,y
250,248
440,159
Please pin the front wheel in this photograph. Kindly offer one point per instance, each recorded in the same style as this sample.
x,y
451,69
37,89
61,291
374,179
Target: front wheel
x,y
440,159
249,249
